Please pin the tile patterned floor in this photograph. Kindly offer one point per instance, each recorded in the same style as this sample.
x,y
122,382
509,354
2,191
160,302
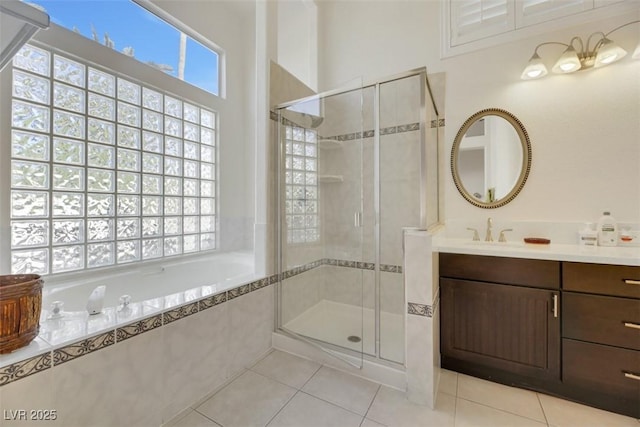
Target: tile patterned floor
x,y
285,390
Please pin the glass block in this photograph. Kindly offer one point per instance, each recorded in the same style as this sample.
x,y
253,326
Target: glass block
x,y
172,166
207,154
101,106
100,131
172,147
172,186
151,205
34,261
288,132
191,169
102,82
128,182
152,121
151,99
298,148
68,151
289,148
172,246
191,243
68,97
297,206
288,206
30,146
207,118
68,71
151,142
173,127
289,192
128,160
100,254
67,231
151,184
190,224
128,137
172,107
101,156
311,235
311,221
207,136
100,180
191,150
311,207
68,178
67,258
309,135
298,178
151,163
311,179
207,171
67,204
29,87
207,189
128,91
298,236
311,193
298,192
298,134
298,163
191,113
207,206
128,251
29,233
100,205
172,206
99,230
207,224
190,187
68,124
310,165
172,225
128,228
32,59
297,221
29,175
151,248
190,206
29,204
29,116
128,205
207,241
128,114
191,132
310,150
151,227
288,163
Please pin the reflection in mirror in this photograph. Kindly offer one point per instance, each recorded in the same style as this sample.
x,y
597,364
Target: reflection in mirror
x,y
491,158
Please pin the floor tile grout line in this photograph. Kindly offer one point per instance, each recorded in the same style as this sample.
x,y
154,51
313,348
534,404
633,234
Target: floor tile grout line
x,y
312,375
207,417
505,411
542,408
331,403
281,408
372,400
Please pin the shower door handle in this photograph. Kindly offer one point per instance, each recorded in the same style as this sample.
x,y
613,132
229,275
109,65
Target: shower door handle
x,y
357,219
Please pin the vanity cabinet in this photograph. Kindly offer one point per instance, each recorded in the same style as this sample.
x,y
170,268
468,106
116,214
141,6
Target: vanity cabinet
x,y
500,315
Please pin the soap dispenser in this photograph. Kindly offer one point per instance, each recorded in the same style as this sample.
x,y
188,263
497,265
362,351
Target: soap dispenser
x,y
607,230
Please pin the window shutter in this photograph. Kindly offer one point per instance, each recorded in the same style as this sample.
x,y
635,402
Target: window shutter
x,y
477,19
530,12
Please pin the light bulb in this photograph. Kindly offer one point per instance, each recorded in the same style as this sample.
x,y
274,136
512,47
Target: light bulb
x,y
568,62
608,53
534,69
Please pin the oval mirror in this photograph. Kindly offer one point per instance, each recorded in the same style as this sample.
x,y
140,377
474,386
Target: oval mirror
x,y
491,158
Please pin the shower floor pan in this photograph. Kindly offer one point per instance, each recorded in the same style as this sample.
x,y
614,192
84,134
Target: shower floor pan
x,y
335,323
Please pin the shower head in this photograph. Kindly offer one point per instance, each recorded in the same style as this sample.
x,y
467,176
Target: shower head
x,y
305,120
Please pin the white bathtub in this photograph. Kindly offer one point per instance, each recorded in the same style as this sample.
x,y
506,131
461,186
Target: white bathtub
x,y
174,281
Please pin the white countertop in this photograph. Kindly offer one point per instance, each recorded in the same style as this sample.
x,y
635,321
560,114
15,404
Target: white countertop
x,y
553,251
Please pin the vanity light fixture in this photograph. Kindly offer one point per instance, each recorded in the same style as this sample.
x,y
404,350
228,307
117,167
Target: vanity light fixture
x,y
604,52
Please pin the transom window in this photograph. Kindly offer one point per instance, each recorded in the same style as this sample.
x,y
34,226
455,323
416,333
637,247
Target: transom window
x,y
105,170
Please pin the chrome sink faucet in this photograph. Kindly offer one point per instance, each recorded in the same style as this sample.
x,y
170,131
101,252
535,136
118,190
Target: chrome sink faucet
x,y
488,237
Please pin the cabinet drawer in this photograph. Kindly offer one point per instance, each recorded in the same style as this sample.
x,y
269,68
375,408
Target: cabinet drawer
x,y
512,271
600,319
601,368
616,280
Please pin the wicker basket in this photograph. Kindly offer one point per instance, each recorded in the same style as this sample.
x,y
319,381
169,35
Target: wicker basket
x,y
20,305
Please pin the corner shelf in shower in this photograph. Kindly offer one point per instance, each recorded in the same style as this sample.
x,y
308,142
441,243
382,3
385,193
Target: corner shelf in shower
x,y
329,144
329,178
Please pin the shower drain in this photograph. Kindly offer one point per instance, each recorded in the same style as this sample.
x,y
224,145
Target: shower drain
x,y
354,338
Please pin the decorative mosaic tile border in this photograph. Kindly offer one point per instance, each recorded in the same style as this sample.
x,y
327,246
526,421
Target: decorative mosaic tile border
x,y
419,309
437,123
44,361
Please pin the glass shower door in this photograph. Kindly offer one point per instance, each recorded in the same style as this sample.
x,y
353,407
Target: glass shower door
x,y
321,222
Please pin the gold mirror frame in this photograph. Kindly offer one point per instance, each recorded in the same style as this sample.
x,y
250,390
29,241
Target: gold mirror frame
x,y
526,157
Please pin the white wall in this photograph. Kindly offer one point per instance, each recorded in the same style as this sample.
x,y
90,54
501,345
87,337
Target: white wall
x,y
298,39
584,128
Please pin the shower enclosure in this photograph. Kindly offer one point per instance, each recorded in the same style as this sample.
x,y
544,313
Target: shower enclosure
x,y
355,167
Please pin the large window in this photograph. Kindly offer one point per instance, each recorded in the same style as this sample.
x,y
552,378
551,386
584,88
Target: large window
x,y
106,170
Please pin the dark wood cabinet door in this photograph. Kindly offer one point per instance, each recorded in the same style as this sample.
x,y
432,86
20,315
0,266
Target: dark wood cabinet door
x,y
511,328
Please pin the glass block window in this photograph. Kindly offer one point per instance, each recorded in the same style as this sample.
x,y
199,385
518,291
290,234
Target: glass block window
x,y
301,179
104,170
